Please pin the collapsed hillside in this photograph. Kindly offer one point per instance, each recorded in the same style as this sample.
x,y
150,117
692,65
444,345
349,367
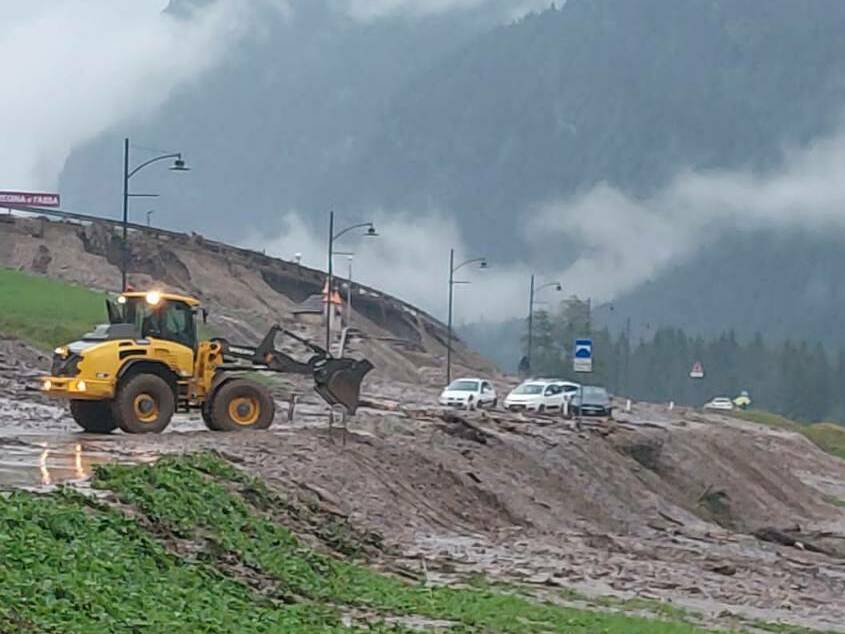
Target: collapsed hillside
x,y
245,291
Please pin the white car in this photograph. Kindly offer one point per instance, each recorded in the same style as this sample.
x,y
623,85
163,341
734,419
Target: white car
x,y
469,394
540,395
721,403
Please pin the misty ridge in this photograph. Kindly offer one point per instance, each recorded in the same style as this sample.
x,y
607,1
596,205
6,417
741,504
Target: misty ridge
x,y
676,159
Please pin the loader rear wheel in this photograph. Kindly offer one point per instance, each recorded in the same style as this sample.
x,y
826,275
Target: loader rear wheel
x,y
241,404
94,417
144,405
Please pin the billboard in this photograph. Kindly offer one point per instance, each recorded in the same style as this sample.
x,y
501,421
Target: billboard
x,y
30,199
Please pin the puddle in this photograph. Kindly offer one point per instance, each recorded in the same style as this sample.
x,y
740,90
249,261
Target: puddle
x,y
47,462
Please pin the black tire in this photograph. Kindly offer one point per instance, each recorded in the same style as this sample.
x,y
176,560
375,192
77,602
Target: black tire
x,y
95,417
145,404
241,404
206,416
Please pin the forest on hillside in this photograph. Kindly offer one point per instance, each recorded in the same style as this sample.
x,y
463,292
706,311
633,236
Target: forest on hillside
x,y
799,380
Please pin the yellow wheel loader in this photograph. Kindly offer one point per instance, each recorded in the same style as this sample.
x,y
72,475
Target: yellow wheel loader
x,y
148,363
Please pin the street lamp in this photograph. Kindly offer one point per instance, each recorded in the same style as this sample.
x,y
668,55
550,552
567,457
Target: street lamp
x,y
482,264
558,287
178,166
370,233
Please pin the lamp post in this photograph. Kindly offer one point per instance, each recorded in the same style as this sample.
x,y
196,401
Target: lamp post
x,y
371,233
558,288
482,264
178,166
149,216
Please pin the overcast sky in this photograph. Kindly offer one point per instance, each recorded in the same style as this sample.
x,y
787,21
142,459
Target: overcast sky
x,y
75,68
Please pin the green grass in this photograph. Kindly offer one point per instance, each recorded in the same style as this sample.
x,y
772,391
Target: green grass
x,y
829,437
204,550
45,312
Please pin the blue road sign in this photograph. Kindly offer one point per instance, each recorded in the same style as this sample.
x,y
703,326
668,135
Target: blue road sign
x,y
582,360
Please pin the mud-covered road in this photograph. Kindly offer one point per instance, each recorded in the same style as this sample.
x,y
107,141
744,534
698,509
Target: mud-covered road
x,y
729,520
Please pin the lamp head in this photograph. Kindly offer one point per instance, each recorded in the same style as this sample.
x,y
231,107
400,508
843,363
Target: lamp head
x,y
179,166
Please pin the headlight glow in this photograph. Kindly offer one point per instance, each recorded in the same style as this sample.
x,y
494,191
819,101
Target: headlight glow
x,y
153,298
80,386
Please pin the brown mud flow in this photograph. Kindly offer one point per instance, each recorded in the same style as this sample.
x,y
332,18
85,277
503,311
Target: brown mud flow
x,y
706,512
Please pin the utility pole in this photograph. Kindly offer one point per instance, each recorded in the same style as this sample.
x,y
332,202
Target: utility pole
x,y
449,338
530,325
178,166
558,287
329,286
349,295
125,250
371,233
628,356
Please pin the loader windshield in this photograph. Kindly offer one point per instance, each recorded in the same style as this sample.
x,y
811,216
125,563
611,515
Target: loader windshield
x,y
169,320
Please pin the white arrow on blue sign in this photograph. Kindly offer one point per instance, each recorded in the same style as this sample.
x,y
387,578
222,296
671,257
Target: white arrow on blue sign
x,y
582,360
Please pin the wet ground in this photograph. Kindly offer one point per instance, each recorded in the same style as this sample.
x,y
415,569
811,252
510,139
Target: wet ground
x,y
660,505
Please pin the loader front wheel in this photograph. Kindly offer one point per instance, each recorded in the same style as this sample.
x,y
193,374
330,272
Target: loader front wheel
x,y
94,417
241,404
144,405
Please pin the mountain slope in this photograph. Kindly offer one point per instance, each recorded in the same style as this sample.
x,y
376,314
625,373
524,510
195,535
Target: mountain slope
x,y
483,124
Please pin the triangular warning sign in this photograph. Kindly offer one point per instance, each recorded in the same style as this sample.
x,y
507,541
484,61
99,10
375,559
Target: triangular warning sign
x,y
697,371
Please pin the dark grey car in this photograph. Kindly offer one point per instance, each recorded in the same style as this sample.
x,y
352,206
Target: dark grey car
x,y
596,402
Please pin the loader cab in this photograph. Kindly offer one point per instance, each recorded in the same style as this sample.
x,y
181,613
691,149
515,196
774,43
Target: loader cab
x,y
159,316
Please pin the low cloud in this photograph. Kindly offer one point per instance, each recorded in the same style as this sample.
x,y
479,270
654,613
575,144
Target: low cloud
x,y
409,259
623,241
373,9
619,242
78,67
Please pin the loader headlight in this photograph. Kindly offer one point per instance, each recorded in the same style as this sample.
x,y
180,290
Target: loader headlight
x,y
80,386
61,351
153,298
47,385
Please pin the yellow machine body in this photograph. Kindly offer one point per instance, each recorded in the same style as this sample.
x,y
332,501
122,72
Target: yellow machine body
x,y
148,363
100,364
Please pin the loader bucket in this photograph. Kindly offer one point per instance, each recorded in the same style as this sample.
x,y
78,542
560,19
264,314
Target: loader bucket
x,y
338,381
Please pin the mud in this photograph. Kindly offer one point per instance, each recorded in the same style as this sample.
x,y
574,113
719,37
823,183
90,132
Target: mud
x,y
677,507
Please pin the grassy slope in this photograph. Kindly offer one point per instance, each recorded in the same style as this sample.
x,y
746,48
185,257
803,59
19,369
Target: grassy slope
x,y
45,312
827,436
179,562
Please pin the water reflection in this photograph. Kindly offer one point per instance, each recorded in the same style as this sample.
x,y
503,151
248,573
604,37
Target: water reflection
x,y
26,462
59,469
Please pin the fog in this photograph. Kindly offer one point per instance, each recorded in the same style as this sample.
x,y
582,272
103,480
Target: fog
x,y
624,242
617,242
507,10
76,68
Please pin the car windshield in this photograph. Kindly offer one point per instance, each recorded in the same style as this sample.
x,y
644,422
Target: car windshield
x,y
529,388
463,385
